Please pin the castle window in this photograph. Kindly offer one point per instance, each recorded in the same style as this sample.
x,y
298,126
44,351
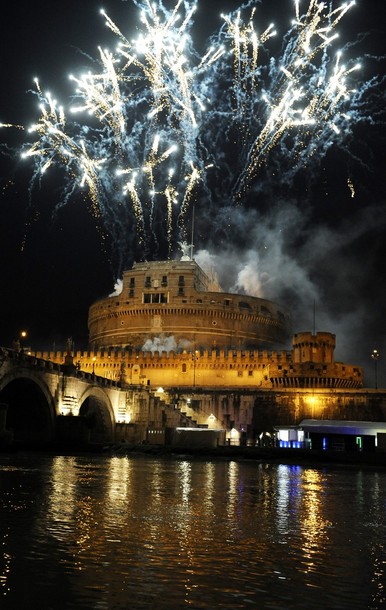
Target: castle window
x,y
148,281
164,280
181,280
131,292
184,368
132,282
157,297
180,291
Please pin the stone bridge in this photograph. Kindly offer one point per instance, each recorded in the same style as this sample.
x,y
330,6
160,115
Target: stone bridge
x,y
42,402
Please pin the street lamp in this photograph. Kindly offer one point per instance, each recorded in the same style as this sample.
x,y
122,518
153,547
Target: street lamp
x,y
195,356
375,355
23,336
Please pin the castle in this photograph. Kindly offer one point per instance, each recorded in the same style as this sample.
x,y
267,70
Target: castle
x,y
175,360
187,354
172,326
177,301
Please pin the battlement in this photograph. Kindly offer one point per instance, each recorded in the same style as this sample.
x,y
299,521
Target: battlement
x,y
211,368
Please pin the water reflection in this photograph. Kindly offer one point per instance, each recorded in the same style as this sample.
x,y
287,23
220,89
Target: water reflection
x,y
287,497
374,495
232,495
315,525
208,504
63,492
118,487
119,532
5,567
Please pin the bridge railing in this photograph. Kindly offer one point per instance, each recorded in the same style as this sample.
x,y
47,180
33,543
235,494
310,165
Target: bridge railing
x,y
30,360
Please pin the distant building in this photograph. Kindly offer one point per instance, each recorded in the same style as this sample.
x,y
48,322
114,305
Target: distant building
x,y
333,435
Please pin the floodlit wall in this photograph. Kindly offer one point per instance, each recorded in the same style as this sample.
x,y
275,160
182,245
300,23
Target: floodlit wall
x,y
213,369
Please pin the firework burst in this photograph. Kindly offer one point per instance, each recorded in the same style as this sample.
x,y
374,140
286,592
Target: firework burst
x,y
148,127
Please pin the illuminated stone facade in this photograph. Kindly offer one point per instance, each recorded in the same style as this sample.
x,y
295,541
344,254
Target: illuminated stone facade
x,y
240,392
175,304
201,356
172,350
172,326
67,392
309,365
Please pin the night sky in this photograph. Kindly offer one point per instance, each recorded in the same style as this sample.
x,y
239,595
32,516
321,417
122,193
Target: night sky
x,y
314,246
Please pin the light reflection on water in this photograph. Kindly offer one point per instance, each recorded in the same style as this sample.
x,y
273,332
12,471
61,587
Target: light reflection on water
x,y
142,533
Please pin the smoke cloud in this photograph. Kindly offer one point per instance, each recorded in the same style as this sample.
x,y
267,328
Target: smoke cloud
x,y
165,343
323,273
118,286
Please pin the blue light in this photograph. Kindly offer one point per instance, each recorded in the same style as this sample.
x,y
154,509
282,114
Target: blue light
x,y
284,444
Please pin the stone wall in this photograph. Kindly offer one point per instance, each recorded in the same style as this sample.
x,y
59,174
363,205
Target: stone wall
x,y
212,369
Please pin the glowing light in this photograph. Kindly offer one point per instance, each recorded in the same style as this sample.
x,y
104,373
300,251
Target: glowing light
x,y
154,100
351,187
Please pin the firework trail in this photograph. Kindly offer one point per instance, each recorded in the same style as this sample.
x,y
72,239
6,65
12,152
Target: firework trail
x,y
149,127
297,103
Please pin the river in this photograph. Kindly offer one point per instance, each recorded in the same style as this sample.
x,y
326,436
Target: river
x,y
141,532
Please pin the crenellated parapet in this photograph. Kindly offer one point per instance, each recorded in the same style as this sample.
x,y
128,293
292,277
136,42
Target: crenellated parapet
x,y
216,368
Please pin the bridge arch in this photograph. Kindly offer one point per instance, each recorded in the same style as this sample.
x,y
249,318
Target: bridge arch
x,y
95,406
31,409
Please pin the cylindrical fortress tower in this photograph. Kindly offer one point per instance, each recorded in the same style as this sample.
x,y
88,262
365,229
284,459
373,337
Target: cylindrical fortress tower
x,y
178,301
317,348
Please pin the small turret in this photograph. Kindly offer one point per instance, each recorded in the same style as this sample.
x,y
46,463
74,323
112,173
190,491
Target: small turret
x,y
317,348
